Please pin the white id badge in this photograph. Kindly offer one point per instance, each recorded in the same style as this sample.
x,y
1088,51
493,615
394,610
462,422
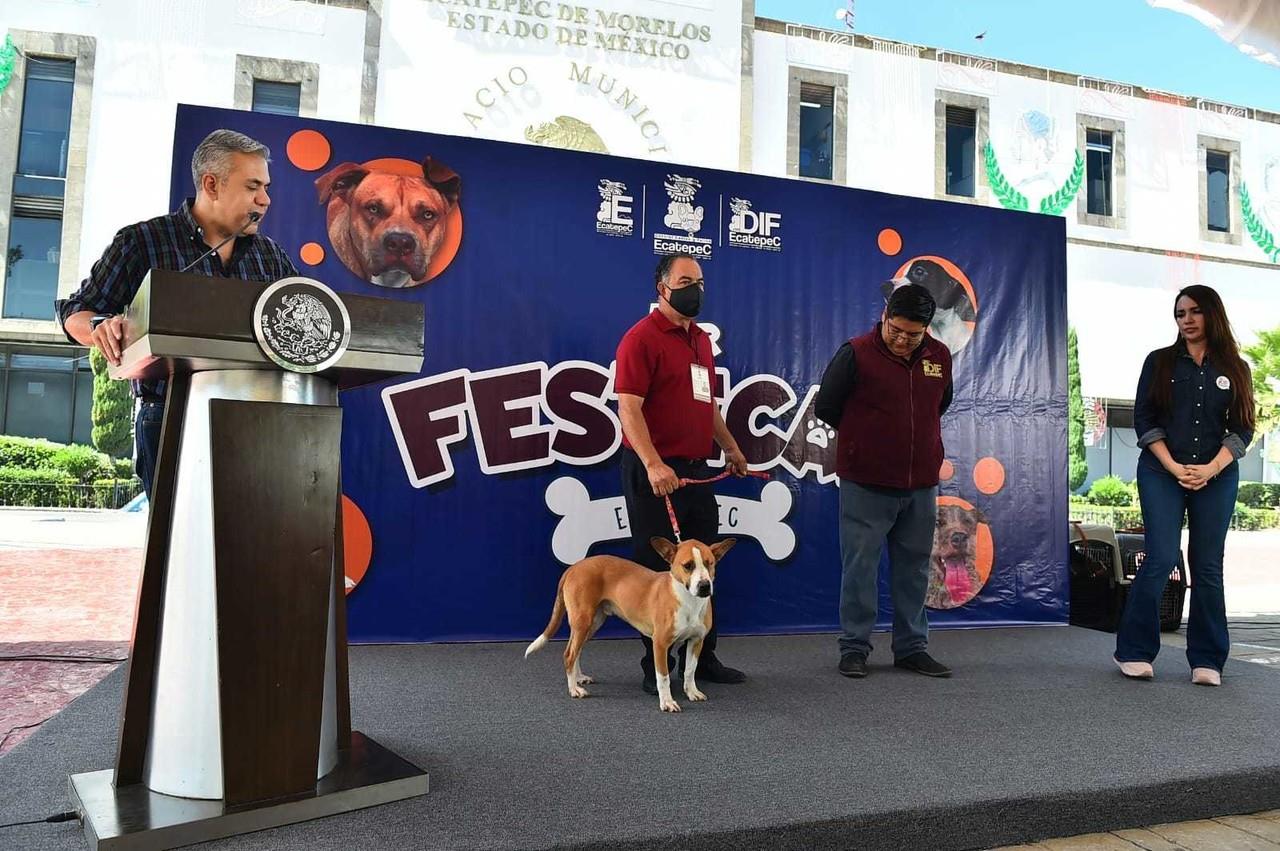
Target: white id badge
x,y
701,382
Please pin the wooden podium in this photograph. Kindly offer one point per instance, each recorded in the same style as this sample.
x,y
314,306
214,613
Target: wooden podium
x,y
236,713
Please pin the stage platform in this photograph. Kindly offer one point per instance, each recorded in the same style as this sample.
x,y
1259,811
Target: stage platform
x,y
1037,735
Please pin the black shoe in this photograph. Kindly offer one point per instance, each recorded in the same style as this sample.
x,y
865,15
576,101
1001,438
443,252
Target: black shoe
x,y
853,665
922,663
712,670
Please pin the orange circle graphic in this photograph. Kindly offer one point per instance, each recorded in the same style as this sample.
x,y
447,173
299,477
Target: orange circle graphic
x,y
309,150
947,471
357,543
951,268
889,242
312,254
942,594
988,475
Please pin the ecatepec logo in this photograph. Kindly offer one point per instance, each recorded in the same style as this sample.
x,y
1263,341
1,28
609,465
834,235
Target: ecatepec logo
x,y
750,228
683,214
613,218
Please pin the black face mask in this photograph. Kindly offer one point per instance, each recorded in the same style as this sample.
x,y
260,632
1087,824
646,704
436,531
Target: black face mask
x,y
687,300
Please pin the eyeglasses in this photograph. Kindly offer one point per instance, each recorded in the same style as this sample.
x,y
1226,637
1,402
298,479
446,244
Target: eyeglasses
x,y
899,334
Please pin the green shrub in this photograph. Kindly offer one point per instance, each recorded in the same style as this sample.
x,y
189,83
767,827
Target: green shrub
x,y
1112,490
112,411
1253,519
123,468
83,463
29,453
115,493
50,488
1259,495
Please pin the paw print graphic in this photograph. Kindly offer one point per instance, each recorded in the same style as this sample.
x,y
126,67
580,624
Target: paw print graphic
x,y
819,434
963,548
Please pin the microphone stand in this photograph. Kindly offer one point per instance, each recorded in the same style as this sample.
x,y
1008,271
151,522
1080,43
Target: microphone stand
x,y
254,217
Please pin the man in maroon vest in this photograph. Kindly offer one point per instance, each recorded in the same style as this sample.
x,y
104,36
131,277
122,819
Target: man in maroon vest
x,y
885,393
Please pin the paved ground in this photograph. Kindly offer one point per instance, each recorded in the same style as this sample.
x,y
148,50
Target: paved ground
x,y
69,582
1258,832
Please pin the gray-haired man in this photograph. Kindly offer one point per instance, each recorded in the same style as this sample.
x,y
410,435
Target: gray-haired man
x,y
231,180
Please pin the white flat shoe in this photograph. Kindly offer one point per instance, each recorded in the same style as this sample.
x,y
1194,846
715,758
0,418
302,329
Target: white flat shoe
x,y
1136,670
1206,677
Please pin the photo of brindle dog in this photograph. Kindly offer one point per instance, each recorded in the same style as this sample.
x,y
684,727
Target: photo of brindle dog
x,y
954,577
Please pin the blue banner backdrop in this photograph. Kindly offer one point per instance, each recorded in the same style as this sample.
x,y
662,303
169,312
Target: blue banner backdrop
x,y
480,479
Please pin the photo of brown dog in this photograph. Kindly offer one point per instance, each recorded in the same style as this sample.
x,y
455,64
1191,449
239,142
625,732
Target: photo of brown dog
x,y
386,226
954,570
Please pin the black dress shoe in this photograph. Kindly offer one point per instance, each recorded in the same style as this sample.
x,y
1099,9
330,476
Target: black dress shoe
x,y
922,663
853,665
712,670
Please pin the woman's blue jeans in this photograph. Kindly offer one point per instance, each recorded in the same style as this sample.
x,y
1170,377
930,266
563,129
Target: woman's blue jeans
x,y
1208,512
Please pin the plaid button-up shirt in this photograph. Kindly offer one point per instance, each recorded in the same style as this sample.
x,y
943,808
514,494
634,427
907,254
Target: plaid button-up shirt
x,y
167,242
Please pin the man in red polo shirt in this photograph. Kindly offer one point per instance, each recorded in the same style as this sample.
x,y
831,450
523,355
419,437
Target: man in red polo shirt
x,y
665,380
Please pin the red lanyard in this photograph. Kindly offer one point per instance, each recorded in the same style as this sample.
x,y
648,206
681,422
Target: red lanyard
x,y
671,512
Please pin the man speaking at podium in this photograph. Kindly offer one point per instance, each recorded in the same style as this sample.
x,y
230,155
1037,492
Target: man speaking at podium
x,y
215,233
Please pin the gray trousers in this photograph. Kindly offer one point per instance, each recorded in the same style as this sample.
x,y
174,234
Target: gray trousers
x,y
867,518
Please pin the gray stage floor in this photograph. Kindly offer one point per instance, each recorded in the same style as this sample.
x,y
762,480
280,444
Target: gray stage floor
x,y
1037,735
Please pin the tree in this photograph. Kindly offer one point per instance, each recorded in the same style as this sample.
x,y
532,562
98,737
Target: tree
x,y
1265,355
1077,466
112,411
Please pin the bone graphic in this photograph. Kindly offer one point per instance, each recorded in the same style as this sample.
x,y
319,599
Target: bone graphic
x,y
586,521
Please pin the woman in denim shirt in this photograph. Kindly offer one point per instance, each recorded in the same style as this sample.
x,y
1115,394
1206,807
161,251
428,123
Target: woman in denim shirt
x,y
1194,416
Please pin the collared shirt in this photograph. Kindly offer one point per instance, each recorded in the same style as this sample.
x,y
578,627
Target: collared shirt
x,y
840,376
655,360
167,242
887,411
1199,421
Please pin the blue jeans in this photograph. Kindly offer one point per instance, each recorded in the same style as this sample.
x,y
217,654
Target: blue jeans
x,y
146,441
1208,512
867,518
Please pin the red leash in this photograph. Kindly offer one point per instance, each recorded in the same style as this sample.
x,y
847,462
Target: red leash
x,y
671,512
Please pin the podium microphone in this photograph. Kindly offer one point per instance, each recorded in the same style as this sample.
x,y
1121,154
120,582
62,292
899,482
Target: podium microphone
x,y
254,217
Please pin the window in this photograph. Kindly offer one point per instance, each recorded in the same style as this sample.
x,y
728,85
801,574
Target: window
x,y
33,254
47,393
1099,149
276,98
817,131
960,123
31,266
961,151
1218,179
276,86
1101,201
817,136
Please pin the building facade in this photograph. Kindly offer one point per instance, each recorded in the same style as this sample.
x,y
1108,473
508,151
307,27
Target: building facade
x,y
1158,189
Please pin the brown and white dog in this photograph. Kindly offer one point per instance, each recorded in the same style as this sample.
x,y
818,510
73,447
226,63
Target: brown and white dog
x,y
386,227
670,608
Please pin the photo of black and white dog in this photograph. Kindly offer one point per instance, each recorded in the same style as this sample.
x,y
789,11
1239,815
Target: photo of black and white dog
x,y
954,321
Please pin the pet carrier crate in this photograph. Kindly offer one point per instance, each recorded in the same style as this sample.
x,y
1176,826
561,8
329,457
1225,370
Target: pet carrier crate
x,y
1132,552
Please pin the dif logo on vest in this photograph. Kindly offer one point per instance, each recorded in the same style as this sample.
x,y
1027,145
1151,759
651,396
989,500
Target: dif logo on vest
x,y
750,228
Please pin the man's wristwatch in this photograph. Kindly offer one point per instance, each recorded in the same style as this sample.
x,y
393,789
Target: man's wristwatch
x,y
97,319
